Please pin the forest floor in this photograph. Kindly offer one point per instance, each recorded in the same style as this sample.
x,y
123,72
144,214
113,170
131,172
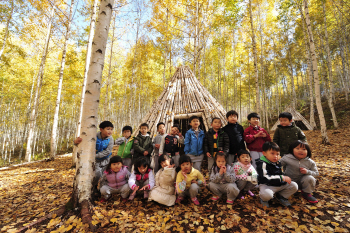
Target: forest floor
x,y
34,190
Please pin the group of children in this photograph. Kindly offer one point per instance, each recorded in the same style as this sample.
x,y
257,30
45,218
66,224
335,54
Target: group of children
x,y
234,170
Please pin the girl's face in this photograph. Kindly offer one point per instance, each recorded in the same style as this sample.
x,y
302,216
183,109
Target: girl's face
x,y
142,169
245,159
300,152
220,161
116,166
186,167
165,163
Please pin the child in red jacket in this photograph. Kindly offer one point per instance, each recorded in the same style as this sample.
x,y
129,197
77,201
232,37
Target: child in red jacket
x,y
255,137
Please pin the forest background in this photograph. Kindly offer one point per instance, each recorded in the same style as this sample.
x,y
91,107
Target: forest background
x,y
251,56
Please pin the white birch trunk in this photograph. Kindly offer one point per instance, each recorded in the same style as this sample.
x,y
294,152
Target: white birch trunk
x,y
255,59
53,144
85,169
316,79
87,64
329,63
38,90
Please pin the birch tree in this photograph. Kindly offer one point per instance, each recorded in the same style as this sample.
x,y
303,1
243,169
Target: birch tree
x,y
316,79
7,29
40,76
87,64
53,143
86,150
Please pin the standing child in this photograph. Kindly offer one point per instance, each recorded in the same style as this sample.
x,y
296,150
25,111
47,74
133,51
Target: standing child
x,y
270,177
104,146
164,191
142,143
188,180
235,133
125,143
170,144
215,140
299,166
194,143
142,177
157,140
287,132
222,179
115,180
246,176
255,137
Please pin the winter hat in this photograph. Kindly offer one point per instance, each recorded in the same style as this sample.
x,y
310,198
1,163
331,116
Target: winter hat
x,y
127,128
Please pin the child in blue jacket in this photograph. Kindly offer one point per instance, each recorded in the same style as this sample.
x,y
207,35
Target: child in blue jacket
x,y
194,143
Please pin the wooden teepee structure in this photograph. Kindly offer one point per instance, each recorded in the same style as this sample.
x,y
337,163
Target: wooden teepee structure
x,y
299,120
184,97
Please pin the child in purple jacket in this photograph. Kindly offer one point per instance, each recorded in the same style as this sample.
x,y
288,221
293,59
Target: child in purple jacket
x,y
115,180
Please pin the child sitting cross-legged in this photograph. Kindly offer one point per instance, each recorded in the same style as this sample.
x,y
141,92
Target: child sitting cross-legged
x,y
142,177
246,176
164,190
115,180
299,166
270,177
188,180
222,179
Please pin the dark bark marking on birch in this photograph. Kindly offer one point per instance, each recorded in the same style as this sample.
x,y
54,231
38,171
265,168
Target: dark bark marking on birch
x,y
99,51
91,116
87,92
103,13
96,81
109,6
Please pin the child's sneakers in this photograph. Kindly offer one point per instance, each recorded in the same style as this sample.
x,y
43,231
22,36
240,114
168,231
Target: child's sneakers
x,y
124,200
228,201
215,198
264,203
240,195
309,197
250,193
103,200
282,200
145,194
195,201
131,197
179,199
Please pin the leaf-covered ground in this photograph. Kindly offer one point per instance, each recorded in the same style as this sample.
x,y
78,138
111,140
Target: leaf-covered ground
x,y
32,191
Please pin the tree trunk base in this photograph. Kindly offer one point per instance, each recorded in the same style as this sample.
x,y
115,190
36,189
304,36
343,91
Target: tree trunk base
x,y
86,215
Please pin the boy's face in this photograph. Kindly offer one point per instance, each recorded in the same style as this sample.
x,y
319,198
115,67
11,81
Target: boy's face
x,y
116,166
186,167
195,123
254,121
245,159
232,119
216,124
106,132
126,133
285,121
161,129
271,155
174,131
144,130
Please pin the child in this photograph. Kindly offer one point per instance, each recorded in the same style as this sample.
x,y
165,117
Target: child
x,y
125,143
299,166
157,140
255,136
142,177
215,140
246,176
170,144
287,132
164,191
188,180
194,143
104,146
270,177
142,143
222,179
115,180
235,133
